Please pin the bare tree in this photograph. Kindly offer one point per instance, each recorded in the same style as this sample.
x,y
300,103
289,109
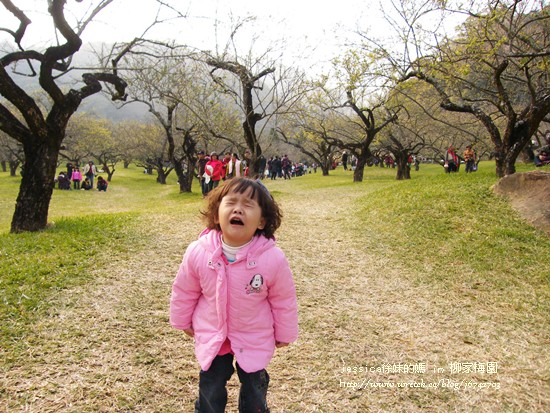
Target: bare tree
x,y
372,121
424,127
178,91
313,129
42,134
316,148
355,98
87,137
259,86
130,136
151,153
495,69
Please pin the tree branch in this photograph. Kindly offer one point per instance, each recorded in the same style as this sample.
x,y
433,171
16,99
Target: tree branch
x,y
24,21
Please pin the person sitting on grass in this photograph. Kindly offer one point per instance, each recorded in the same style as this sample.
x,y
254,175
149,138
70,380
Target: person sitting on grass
x,y
541,154
102,184
544,158
63,181
86,185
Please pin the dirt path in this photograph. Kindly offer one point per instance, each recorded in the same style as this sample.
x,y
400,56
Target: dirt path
x,y
108,346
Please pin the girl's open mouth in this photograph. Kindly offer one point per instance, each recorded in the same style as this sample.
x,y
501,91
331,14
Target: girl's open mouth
x,y
236,221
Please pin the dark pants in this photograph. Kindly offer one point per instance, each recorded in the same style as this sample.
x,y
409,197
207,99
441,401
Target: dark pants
x,y
451,167
204,187
91,178
212,185
213,393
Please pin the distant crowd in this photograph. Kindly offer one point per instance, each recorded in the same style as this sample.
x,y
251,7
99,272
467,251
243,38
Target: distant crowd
x,y
81,180
211,170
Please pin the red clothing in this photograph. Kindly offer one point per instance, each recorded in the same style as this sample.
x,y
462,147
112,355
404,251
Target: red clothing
x,y
225,162
217,169
451,156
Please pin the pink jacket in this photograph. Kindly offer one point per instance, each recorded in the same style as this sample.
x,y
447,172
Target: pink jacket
x,y
76,176
251,301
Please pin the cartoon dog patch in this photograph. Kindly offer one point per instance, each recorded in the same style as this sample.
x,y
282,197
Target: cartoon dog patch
x,y
255,284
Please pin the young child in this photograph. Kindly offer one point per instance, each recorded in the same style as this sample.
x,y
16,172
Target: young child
x,y
234,294
76,177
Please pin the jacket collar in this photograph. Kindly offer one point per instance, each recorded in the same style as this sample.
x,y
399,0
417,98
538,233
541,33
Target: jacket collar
x,y
211,240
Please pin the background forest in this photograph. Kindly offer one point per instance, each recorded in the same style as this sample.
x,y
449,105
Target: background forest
x,y
420,87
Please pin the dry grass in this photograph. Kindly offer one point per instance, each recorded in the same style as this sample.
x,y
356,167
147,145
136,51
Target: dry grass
x,y
108,347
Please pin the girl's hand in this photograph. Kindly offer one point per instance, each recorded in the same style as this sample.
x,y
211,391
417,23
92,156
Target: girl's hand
x,y
190,332
278,344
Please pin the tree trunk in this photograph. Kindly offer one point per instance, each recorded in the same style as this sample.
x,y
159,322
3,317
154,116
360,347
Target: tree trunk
x,y
188,177
505,160
325,166
161,176
35,192
506,165
359,168
182,178
499,163
13,168
4,166
510,167
110,172
403,168
249,127
188,163
185,166
185,174
362,159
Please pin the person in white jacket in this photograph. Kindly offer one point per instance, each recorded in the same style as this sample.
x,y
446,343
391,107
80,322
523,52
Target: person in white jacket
x,y
234,294
90,171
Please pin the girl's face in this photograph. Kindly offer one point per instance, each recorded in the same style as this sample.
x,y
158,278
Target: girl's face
x,y
239,216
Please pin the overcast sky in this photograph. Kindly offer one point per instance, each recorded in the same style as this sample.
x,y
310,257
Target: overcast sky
x,y
302,24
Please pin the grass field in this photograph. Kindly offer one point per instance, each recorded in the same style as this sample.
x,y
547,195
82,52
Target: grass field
x,y
436,274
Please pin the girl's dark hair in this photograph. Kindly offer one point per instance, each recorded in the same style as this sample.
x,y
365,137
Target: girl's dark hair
x,y
270,210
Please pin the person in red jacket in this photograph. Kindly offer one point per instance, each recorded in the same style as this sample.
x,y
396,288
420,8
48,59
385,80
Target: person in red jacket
x,y
451,160
214,169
